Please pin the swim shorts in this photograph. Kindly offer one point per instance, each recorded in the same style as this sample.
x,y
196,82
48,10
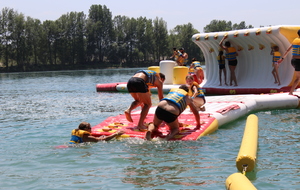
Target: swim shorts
x,y
137,85
165,115
232,63
296,64
221,66
203,97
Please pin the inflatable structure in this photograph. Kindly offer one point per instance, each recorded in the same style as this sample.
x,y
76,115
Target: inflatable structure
x,y
219,111
254,66
254,62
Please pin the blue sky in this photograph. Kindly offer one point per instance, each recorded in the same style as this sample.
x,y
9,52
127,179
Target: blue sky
x,y
174,12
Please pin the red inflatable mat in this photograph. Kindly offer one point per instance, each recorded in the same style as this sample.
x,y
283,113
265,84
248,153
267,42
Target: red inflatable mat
x,y
187,122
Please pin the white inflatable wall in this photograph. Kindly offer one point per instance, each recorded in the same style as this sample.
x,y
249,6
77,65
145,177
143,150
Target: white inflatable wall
x,y
254,59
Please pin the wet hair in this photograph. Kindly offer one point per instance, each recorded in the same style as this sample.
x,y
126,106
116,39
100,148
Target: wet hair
x,y
276,48
220,54
194,59
174,48
189,77
298,32
227,44
84,125
184,87
162,76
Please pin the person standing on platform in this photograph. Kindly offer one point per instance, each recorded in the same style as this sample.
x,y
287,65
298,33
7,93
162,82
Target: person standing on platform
x,y
182,57
276,56
169,109
295,60
175,54
231,55
221,61
138,87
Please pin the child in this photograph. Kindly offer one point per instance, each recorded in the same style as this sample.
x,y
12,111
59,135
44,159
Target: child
x,y
276,56
196,65
196,93
83,134
169,109
175,54
231,56
221,61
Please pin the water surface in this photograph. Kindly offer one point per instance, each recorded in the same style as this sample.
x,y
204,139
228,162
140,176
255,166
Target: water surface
x,y
39,110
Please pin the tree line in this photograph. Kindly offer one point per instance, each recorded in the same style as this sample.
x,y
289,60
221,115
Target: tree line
x,y
96,40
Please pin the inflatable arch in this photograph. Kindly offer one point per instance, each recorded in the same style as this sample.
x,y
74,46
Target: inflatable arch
x,y
254,60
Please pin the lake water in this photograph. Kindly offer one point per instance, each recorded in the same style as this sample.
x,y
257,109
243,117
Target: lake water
x,y
39,110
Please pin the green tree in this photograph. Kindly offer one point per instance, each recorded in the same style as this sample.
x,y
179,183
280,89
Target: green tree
x,y
74,36
49,43
6,30
130,39
18,39
143,38
223,25
99,33
217,26
181,36
118,51
32,33
160,39
242,25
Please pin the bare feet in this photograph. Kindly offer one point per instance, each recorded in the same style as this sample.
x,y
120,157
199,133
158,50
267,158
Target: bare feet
x,y
148,136
220,84
128,116
143,128
226,84
202,108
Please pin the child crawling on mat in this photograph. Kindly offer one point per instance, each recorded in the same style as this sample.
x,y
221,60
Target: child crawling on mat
x,y
169,109
83,134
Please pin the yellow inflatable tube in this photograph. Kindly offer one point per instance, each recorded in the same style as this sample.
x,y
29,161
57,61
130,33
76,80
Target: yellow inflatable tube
x,y
247,155
238,181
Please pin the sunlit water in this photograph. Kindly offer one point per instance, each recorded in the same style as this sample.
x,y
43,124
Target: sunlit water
x,y
39,110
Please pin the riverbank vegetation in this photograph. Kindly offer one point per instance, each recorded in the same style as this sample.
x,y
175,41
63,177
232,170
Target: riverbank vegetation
x,y
96,40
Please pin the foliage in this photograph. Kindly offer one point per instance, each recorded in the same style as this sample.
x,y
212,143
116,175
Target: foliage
x,y
96,40
222,25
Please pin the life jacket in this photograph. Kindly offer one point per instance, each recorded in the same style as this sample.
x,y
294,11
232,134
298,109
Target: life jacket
x,y
231,54
200,92
176,54
296,47
177,96
197,64
182,60
151,76
77,135
276,56
221,62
